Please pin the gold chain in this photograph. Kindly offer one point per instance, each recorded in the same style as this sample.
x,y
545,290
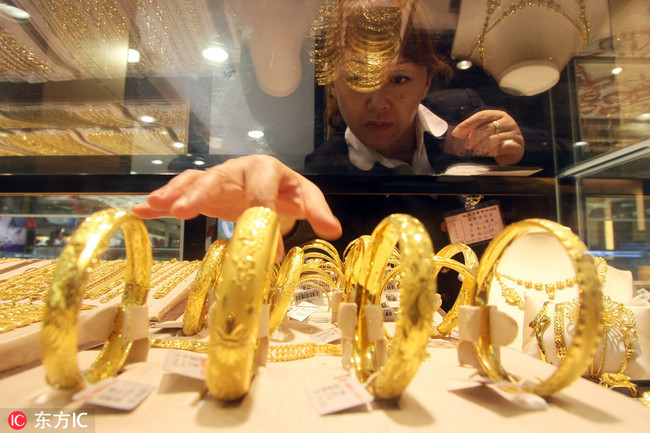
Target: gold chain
x,y
277,353
512,296
581,25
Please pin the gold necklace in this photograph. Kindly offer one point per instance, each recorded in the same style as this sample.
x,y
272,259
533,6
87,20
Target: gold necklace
x,y
617,319
581,25
513,297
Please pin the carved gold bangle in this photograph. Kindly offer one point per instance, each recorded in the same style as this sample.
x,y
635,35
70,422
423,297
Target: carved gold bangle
x,y
285,286
234,319
417,287
588,323
63,302
196,309
353,255
467,290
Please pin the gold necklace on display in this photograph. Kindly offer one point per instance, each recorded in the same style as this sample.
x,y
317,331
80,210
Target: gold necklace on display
x,y
512,296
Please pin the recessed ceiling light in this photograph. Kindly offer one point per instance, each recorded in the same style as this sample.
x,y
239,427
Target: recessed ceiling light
x,y
255,134
133,56
14,12
215,54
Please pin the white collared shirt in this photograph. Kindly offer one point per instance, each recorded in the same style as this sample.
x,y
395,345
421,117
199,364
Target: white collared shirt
x,y
364,157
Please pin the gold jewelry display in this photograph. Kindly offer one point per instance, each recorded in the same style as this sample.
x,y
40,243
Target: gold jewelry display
x,y
234,319
291,352
617,321
277,353
513,297
588,315
77,261
417,288
196,309
366,45
468,288
491,21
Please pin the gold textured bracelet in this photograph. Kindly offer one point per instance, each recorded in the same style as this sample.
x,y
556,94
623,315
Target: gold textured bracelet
x,y
196,309
284,286
234,319
588,327
467,290
63,302
417,287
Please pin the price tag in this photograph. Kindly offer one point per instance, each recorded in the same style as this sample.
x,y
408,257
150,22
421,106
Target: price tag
x,y
115,394
186,364
327,336
337,395
302,311
479,224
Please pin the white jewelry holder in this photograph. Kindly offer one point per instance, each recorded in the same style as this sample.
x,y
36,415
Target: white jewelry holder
x,y
539,257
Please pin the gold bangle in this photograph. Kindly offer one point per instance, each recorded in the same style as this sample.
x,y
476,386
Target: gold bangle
x,y
353,261
234,319
588,323
417,287
63,302
196,309
467,290
286,283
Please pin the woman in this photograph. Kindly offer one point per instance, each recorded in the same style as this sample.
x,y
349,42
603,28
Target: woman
x,y
388,130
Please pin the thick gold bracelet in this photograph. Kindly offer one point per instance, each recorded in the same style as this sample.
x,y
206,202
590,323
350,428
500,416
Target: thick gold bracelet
x,y
77,261
417,287
234,319
467,290
196,309
285,285
588,323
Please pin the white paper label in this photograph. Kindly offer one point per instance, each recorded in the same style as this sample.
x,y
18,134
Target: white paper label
x,y
116,394
302,311
186,364
327,336
476,225
340,394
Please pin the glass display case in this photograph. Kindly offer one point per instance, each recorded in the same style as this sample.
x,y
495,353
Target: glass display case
x,y
103,102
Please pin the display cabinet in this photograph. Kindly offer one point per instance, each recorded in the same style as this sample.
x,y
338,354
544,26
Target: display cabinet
x,y
102,103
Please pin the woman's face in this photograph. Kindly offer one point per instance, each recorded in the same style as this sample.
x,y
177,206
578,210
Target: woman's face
x,y
385,119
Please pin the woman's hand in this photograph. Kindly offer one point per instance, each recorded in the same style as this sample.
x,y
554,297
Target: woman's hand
x,y
226,190
492,133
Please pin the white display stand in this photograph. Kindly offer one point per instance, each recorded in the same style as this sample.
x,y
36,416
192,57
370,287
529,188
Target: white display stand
x,y
442,397
539,257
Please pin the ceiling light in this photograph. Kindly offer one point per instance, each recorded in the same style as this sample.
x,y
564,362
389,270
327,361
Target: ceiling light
x,y
133,56
14,12
255,134
146,119
215,54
